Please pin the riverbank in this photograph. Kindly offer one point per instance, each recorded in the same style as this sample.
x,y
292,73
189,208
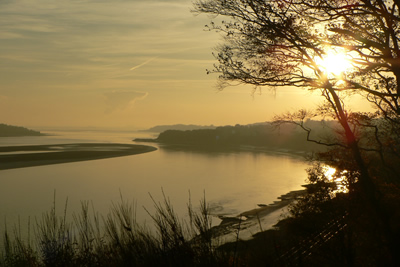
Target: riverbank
x,y
248,223
12,157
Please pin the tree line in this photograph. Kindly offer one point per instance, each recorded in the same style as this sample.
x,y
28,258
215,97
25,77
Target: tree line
x,y
266,135
9,130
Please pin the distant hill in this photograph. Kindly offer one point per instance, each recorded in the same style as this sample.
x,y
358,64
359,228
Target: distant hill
x,y
287,136
180,127
10,131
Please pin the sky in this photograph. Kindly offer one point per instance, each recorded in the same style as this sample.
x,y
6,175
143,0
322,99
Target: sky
x,y
123,64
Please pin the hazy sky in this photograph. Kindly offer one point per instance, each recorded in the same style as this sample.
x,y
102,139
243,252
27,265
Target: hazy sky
x,y
119,63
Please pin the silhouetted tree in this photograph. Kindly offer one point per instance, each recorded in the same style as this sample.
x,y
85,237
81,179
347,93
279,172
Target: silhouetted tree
x,y
279,43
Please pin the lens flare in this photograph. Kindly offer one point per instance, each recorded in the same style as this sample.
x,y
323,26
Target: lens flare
x,y
334,63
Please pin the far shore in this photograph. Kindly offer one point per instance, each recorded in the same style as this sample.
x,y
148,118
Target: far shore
x,y
12,157
300,154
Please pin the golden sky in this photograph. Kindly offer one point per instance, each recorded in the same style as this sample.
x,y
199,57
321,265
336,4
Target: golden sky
x,y
120,63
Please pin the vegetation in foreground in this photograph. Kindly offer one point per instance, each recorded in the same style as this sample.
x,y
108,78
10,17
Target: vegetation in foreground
x,y
279,44
116,240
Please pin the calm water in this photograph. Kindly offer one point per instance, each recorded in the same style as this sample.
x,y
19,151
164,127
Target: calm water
x,y
232,182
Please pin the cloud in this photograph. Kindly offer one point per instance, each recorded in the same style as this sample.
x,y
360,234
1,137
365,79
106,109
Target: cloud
x,y
95,38
121,100
142,64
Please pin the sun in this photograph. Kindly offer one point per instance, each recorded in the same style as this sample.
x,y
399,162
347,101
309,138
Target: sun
x,y
334,63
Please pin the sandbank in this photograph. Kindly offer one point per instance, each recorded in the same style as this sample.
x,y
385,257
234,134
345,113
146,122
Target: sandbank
x,y
12,157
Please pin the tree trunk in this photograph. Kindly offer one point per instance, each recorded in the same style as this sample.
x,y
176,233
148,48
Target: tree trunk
x,y
369,193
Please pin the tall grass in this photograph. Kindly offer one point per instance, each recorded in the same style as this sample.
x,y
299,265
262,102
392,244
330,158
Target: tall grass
x,y
115,239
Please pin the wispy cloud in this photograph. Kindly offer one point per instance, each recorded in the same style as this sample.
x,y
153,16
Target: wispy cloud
x,y
52,48
96,34
142,64
122,99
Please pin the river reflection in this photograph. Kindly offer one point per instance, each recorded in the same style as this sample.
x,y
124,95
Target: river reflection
x,y
232,182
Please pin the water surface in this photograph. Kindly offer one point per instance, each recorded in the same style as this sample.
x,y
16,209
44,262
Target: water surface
x,y
232,182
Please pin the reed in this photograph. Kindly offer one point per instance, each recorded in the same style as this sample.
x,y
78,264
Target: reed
x,y
115,239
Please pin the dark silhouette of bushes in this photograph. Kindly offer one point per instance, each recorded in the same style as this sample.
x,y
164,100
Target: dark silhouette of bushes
x,y
8,131
265,135
116,239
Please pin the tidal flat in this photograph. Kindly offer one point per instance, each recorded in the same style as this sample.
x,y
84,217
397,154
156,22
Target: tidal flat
x,y
12,157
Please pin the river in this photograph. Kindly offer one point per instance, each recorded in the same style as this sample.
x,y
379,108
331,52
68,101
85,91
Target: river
x,y
232,182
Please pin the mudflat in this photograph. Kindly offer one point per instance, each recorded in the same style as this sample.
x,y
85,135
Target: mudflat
x,y
12,157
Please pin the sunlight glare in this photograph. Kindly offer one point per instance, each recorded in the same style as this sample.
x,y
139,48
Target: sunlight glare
x,y
329,172
334,63
339,180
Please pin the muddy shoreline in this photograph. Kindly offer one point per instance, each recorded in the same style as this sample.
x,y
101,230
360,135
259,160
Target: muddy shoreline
x,y
12,157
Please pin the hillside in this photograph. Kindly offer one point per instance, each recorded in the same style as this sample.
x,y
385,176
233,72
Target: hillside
x,y
9,131
265,135
180,127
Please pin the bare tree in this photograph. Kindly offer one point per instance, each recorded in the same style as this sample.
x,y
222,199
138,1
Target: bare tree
x,y
283,42
280,43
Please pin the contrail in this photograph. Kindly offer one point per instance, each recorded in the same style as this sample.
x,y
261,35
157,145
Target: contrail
x,y
142,64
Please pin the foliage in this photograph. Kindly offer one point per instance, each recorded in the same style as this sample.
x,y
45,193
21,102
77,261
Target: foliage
x,y
116,240
9,130
282,43
320,191
279,43
265,135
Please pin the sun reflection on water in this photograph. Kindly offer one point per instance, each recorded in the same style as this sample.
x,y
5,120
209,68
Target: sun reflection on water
x,y
338,178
